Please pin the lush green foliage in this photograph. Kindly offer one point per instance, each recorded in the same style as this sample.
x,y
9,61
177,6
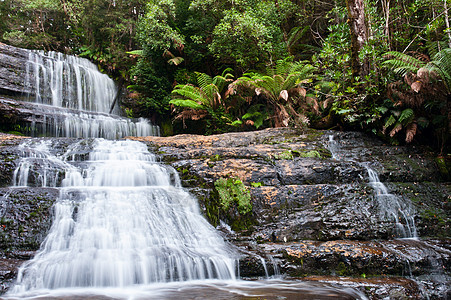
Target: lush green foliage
x,y
157,46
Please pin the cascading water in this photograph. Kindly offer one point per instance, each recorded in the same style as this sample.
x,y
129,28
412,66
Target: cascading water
x,y
76,99
391,208
121,219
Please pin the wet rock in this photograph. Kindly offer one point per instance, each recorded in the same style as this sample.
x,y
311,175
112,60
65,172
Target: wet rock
x,y
377,288
351,258
26,216
12,70
8,272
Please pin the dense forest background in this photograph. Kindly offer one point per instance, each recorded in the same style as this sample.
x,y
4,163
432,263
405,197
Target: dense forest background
x,y
209,66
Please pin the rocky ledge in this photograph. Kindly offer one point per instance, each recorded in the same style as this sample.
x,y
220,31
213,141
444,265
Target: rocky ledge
x,y
311,211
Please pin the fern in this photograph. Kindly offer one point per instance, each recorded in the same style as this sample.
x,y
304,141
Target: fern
x,y
390,121
406,116
203,79
295,35
186,103
176,60
441,64
190,92
402,63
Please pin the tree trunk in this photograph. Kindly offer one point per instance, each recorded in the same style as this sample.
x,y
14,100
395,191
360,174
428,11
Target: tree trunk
x,y
448,30
356,20
386,11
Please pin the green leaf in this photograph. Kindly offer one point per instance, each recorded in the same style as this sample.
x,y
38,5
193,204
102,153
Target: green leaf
x,y
390,121
186,103
236,123
406,116
136,52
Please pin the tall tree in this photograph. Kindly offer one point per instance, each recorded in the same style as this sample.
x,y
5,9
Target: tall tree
x,y
357,25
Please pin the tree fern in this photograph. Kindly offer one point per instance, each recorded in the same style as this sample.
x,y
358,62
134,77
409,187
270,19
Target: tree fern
x,y
441,64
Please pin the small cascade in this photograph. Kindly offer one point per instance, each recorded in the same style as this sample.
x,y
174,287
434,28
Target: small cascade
x,y
75,100
390,206
122,219
333,147
39,166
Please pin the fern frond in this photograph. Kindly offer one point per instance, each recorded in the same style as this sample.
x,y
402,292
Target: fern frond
x,y
189,92
220,82
203,79
295,35
402,63
406,116
435,46
390,121
176,60
441,64
186,103
211,95
227,73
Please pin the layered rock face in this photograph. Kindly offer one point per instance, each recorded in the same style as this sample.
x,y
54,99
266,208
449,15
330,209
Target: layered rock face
x,y
315,212
309,214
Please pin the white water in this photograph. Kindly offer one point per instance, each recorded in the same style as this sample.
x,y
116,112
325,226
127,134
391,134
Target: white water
x,y
77,100
391,208
122,219
333,147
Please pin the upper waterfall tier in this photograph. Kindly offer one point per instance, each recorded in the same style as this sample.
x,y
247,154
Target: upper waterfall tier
x,y
69,81
73,99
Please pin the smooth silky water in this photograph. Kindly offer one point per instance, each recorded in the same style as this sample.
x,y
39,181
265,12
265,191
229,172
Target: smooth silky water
x,y
123,226
77,100
391,208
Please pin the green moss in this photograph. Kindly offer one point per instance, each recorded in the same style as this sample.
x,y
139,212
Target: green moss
x,y
442,167
287,155
312,153
341,269
216,157
232,190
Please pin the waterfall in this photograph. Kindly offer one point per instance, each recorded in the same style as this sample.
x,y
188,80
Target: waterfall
x,y
333,147
391,208
76,100
121,219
